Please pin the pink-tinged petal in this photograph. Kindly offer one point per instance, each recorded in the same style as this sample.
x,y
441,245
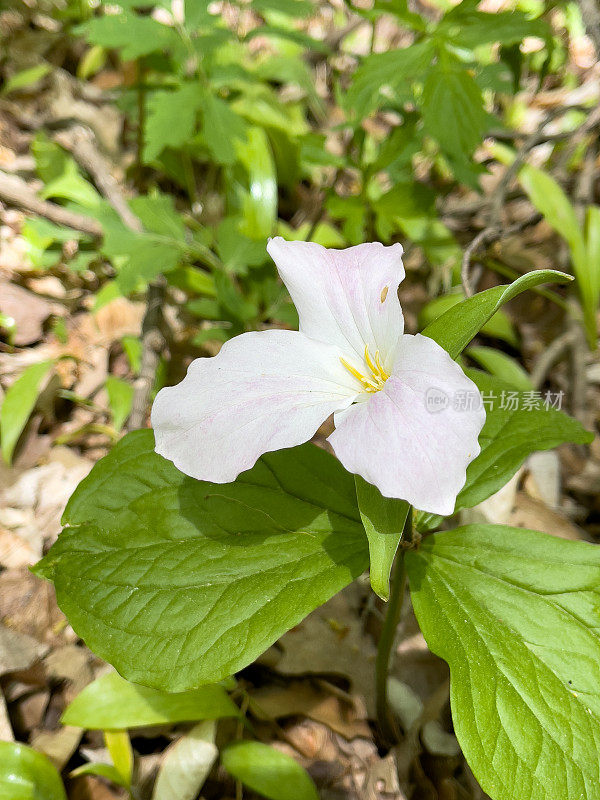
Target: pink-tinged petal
x,y
345,297
264,391
415,438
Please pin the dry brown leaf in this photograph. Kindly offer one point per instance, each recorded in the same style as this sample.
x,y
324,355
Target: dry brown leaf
x,y
495,509
28,712
70,663
39,495
58,745
414,664
121,317
6,732
18,651
312,739
542,481
15,551
87,787
49,286
535,515
28,311
28,605
331,640
381,780
301,698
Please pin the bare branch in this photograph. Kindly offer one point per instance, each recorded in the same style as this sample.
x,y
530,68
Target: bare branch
x,y
16,192
80,141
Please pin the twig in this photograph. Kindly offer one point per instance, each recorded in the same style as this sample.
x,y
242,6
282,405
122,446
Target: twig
x,y
486,236
483,237
584,189
15,191
153,344
141,107
579,349
586,127
550,356
590,14
583,197
493,229
80,141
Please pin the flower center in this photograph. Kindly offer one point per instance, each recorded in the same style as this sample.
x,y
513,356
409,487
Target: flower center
x,y
375,377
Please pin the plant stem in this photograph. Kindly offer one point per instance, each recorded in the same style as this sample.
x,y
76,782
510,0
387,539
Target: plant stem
x,y
141,126
387,725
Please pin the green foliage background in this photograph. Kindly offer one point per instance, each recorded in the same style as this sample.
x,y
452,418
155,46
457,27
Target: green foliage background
x,y
244,120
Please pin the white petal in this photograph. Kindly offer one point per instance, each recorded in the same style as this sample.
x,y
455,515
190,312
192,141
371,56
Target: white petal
x,y
263,391
412,439
346,297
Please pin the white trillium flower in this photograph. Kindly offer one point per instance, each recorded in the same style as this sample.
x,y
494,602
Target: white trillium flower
x,y
273,389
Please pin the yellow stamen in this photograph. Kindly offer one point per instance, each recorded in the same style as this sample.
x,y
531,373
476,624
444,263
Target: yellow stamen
x,y
380,366
370,364
375,377
353,371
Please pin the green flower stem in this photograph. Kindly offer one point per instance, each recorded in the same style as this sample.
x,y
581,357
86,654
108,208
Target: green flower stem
x,y
387,725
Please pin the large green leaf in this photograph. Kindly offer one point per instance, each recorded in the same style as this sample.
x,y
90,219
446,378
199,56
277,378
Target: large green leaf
x,y
454,329
178,582
515,615
112,703
516,425
26,774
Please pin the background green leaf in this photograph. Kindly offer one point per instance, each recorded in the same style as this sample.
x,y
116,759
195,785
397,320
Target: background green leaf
x,y
171,118
502,366
26,77
112,703
187,764
453,111
26,774
19,401
269,772
120,398
132,34
516,425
